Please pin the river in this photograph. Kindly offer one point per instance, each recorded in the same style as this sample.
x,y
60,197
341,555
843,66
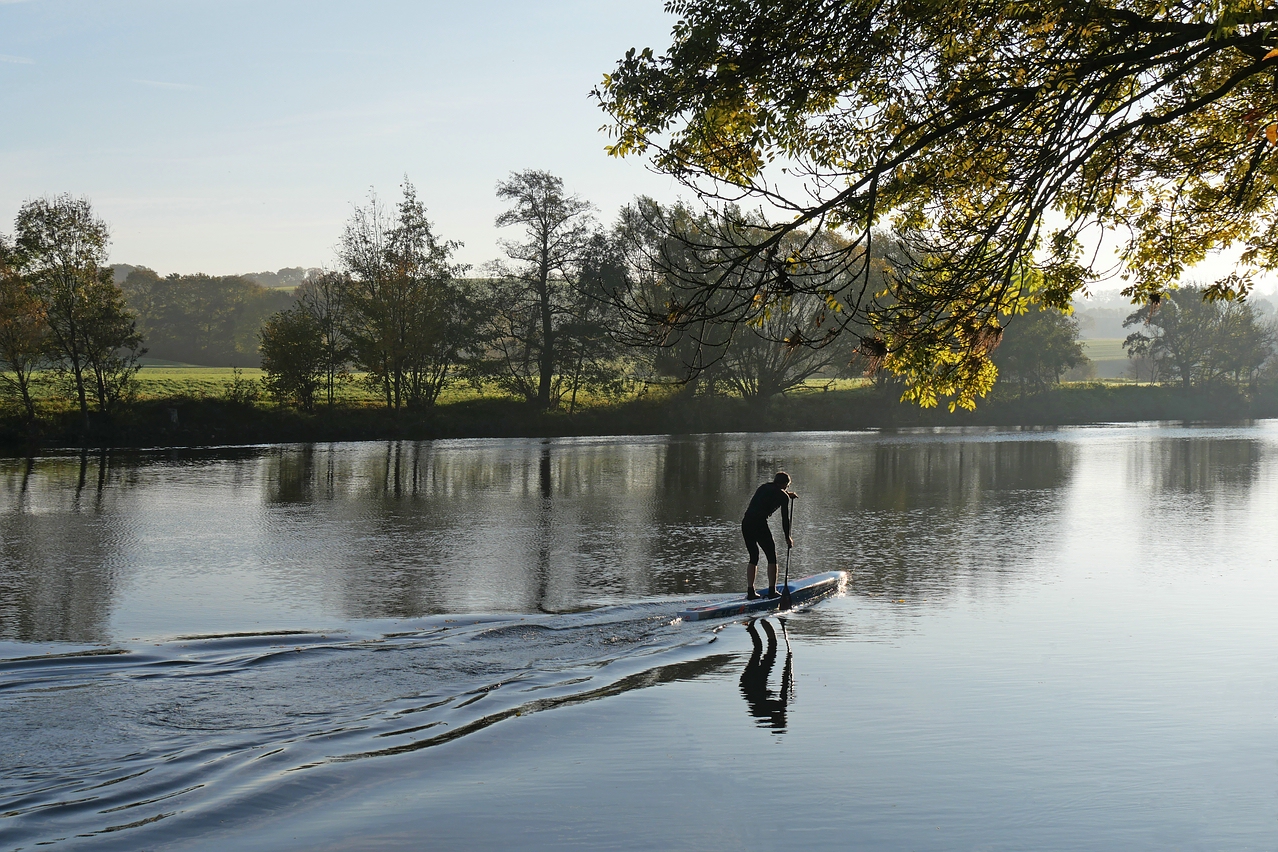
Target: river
x,y
1059,639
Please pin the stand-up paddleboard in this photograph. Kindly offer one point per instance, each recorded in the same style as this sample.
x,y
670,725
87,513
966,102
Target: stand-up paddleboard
x,y
801,591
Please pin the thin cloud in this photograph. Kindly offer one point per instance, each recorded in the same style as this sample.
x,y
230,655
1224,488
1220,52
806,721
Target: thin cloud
x,y
16,60
156,84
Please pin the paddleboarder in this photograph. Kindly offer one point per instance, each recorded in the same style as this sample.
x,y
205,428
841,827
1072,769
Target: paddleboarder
x,y
769,497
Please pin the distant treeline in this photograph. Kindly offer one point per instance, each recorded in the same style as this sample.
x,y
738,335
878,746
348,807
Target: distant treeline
x,y
203,319
1104,320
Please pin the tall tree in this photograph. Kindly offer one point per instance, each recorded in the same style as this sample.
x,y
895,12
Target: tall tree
x,y
997,137
661,266
322,296
1038,348
402,301
533,307
23,331
112,343
1247,343
593,355
92,336
671,257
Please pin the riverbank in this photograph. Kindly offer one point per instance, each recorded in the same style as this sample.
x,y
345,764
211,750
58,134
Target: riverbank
x,y
200,421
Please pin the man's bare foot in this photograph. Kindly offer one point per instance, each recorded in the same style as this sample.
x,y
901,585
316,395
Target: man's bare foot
x,y
772,593
752,595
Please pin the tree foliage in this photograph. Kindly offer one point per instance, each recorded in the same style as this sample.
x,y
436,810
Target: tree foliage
x,y
995,137
93,338
112,344
201,319
293,355
1038,348
402,301
539,328
322,296
1198,342
24,332
668,256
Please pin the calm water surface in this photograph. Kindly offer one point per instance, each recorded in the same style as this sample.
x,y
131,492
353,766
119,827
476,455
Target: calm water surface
x,y
1050,640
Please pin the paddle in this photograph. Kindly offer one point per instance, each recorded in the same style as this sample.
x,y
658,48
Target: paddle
x,y
785,589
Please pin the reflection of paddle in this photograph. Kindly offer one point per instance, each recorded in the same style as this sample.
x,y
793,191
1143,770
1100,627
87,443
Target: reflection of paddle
x,y
787,674
785,589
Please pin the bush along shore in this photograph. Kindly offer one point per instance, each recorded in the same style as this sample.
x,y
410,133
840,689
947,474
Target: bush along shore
x,y
206,421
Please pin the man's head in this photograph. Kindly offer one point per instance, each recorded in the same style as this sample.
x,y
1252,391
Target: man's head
x,y
782,478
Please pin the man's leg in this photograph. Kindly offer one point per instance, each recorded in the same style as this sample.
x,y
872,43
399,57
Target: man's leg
x,y
752,547
770,550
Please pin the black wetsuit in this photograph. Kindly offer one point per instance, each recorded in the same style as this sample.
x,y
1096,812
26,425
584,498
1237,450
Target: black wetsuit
x,y
754,526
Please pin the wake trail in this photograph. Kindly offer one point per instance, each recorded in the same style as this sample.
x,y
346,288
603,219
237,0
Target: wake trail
x,y
99,741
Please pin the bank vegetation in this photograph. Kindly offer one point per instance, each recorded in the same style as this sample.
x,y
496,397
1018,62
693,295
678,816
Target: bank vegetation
x,y
398,340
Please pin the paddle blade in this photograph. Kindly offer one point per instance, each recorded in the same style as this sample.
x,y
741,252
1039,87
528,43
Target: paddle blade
x,y
785,596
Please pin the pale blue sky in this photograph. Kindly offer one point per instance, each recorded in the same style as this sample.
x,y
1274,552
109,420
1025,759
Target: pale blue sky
x,y
228,136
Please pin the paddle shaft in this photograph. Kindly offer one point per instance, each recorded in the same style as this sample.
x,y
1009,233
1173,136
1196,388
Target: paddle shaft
x,y
785,589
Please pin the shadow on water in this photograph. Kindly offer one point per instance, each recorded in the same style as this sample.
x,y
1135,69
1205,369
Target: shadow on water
x,y
767,706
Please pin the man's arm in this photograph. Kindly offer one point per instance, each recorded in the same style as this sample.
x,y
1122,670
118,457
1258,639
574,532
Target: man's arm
x,y
785,516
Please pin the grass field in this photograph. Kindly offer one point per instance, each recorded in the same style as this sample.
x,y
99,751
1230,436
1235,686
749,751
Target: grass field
x,y
169,381
1108,357
166,380
1107,349
159,382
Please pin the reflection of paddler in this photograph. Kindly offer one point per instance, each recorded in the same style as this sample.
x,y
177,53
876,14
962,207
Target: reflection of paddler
x,y
766,706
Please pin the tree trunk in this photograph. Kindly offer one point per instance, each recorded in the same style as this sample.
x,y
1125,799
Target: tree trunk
x,y
576,381
547,360
77,370
24,386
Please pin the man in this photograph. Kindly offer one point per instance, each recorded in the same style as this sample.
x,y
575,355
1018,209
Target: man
x,y
754,528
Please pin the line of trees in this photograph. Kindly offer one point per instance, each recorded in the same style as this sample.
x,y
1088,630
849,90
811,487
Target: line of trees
x,y
567,311
201,319
555,318
60,309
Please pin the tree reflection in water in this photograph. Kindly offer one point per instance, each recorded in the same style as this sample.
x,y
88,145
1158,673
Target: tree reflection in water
x,y
298,534
766,706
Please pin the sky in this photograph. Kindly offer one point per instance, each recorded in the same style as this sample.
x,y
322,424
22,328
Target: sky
x,y
224,136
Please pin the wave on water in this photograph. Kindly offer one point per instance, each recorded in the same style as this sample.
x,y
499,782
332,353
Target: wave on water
x,y
98,742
